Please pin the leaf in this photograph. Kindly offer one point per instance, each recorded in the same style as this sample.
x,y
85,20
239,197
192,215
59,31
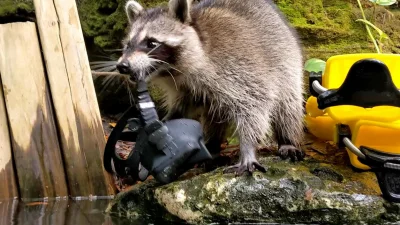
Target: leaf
x,y
384,2
315,65
382,34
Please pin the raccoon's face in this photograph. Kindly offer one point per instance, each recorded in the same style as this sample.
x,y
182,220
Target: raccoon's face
x,y
155,39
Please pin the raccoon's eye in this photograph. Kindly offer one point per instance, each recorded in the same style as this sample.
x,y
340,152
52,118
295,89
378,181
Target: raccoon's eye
x,y
152,44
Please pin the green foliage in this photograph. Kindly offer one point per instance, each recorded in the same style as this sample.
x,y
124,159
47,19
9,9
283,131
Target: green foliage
x,y
105,20
368,24
15,7
314,65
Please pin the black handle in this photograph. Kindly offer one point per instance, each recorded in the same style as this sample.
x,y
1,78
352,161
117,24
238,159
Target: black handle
x,y
367,84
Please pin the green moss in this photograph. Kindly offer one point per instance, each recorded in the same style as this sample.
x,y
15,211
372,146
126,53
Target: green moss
x,y
329,27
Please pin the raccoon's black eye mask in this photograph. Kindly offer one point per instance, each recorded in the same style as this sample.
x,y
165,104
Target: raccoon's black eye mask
x,y
152,43
151,46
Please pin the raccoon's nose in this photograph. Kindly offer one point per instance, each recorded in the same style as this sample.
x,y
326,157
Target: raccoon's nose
x,y
123,67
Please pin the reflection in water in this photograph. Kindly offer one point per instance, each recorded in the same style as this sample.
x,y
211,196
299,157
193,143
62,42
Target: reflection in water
x,y
62,212
70,212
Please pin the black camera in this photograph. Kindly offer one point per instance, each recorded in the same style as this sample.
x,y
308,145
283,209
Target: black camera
x,y
164,150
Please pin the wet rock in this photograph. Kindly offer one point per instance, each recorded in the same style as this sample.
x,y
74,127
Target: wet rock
x,y
327,174
303,192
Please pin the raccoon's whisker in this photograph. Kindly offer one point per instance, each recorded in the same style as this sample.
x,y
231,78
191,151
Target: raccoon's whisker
x,y
173,78
176,86
131,98
101,56
107,69
101,66
110,79
158,60
101,62
153,49
113,50
107,82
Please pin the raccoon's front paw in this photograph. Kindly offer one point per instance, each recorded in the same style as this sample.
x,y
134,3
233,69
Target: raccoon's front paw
x,y
245,165
286,151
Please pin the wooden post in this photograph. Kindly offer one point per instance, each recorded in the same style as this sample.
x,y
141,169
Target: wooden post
x,y
8,186
34,139
74,97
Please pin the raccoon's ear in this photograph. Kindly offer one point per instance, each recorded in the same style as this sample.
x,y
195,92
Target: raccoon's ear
x,y
180,9
133,9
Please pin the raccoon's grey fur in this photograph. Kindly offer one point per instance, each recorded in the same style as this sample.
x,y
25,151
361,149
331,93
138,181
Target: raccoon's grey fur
x,y
226,62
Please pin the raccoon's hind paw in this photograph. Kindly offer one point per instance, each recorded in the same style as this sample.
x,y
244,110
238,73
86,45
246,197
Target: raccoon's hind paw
x,y
249,166
286,151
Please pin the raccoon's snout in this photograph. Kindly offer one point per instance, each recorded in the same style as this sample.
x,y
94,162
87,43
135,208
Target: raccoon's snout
x,y
137,65
123,67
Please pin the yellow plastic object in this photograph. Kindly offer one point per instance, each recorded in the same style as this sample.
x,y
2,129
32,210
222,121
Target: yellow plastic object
x,y
382,136
377,127
312,107
322,127
335,73
318,122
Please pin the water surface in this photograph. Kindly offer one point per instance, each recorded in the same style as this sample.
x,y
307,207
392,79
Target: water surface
x,y
70,212
59,212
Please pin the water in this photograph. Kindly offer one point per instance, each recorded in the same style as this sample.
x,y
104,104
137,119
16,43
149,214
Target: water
x,y
62,212
70,212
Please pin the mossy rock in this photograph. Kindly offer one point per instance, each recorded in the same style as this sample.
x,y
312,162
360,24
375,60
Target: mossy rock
x,y
323,189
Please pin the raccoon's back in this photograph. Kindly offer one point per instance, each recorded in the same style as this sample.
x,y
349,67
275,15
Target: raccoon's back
x,y
233,28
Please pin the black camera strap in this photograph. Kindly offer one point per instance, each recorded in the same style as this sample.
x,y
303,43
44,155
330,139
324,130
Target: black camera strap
x,y
112,162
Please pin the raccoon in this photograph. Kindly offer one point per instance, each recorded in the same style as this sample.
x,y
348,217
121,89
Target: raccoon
x,y
226,63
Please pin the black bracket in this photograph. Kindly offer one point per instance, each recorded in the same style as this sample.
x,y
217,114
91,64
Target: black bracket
x,y
367,84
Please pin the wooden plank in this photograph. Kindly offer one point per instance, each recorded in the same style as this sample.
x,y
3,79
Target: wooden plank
x,y
74,97
34,138
8,185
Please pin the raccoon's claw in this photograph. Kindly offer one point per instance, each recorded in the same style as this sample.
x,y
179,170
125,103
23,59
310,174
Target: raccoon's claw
x,y
242,167
286,151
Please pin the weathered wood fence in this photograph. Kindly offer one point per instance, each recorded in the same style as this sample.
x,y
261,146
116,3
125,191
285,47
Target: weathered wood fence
x,y
51,136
